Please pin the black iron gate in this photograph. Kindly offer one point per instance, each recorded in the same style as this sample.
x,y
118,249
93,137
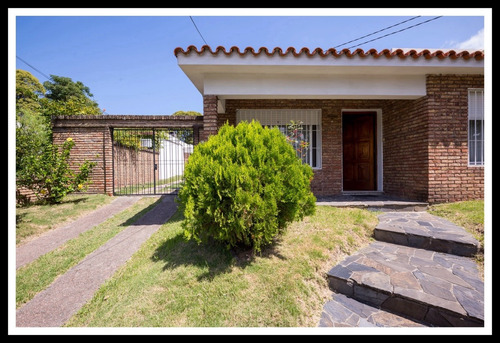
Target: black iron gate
x,y
149,160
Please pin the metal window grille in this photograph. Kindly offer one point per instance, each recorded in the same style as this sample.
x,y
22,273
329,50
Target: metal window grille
x,y
309,131
476,127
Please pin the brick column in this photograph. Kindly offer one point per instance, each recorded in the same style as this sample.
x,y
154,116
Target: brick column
x,y
210,117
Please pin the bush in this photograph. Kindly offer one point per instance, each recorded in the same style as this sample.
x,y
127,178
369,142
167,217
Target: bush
x,y
48,174
244,186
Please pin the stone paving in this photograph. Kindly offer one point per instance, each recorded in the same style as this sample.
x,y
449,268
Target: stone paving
x,y
387,284
343,311
426,231
376,201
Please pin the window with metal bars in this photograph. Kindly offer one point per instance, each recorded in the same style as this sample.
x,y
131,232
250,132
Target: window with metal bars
x,y
476,127
308,130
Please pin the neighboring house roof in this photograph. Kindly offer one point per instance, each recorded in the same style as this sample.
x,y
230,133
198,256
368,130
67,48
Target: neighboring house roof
x,y
401,53
320,74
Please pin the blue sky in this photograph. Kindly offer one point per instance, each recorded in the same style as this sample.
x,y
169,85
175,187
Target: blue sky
x,y
126,56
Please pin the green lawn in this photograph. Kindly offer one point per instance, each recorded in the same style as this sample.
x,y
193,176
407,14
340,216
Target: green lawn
x,y
470,216
37,275
171,282
36,219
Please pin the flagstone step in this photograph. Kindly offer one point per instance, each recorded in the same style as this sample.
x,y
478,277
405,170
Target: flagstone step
x,y
343,311
425,231
431,287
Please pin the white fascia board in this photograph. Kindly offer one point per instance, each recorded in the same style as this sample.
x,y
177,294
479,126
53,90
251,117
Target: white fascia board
x,y
315,86
249,60
206,70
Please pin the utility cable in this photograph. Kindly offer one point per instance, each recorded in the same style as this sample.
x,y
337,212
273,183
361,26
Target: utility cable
x,y
394,32
371,34
48,77
198,30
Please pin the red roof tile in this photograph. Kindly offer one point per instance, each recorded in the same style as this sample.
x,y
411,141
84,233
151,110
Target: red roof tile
x,y
427,54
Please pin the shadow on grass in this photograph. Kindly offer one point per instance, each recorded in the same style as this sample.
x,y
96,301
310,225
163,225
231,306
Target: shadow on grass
x,y
212,256
133,220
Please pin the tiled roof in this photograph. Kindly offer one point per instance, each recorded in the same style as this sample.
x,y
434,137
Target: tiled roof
x,y
388,53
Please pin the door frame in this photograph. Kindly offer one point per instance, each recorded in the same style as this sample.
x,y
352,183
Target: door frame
x,y
379,153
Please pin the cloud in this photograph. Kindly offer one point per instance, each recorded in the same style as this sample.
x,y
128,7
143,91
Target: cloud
x,y
475,42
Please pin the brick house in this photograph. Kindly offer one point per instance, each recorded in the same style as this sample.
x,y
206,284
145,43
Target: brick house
x,y
401,122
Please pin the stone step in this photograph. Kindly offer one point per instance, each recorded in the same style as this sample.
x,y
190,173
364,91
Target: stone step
x,y
425,231
372,202
343,311
431,287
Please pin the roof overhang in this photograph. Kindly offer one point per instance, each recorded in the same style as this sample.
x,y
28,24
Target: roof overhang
x,y
358,75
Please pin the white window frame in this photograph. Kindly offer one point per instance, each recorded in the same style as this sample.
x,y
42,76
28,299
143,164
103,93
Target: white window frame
x,y
282,117
475,114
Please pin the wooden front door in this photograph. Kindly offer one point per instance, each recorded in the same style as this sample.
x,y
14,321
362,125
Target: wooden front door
x,y
359,151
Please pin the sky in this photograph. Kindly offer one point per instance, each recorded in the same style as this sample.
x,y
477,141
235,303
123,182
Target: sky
x,y
126,56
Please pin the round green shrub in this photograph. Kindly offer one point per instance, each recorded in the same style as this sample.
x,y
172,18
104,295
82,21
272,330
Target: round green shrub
x,y
244,186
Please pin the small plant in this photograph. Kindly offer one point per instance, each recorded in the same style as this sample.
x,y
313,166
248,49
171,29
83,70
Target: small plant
x,y
49,176
244,186
295,137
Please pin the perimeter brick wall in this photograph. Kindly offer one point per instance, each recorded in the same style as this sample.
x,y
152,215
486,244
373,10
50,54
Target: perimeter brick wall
x,y
93,144
93,139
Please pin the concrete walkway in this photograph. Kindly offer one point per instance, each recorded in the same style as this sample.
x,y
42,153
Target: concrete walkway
x,y
53,239
416,274
69,292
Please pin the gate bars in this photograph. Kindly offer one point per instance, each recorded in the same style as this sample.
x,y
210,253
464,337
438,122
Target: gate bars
x,y
149,161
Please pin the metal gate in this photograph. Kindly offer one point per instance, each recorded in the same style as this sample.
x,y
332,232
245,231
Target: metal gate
x,y
150,160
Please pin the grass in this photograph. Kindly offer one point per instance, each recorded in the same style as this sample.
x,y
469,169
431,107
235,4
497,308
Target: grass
x,y
171,282
470,216
33,220
36,276
162,186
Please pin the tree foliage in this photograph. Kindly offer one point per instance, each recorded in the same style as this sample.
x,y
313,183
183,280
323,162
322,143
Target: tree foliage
x,y
187,113
41,166
28,92
48,174
64,96
244,186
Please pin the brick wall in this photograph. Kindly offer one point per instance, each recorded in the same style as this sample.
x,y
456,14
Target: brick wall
x,y
328,179
424,141
210,117
405,146
450,177
93,144
133,167
93,139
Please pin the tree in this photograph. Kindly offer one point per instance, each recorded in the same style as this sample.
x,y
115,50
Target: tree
x,y
32,129
41,166
64,96
185,135
28,92
187,113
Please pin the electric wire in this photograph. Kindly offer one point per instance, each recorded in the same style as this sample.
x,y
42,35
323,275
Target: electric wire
x,y
371,34
198,30
394,32
45,75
